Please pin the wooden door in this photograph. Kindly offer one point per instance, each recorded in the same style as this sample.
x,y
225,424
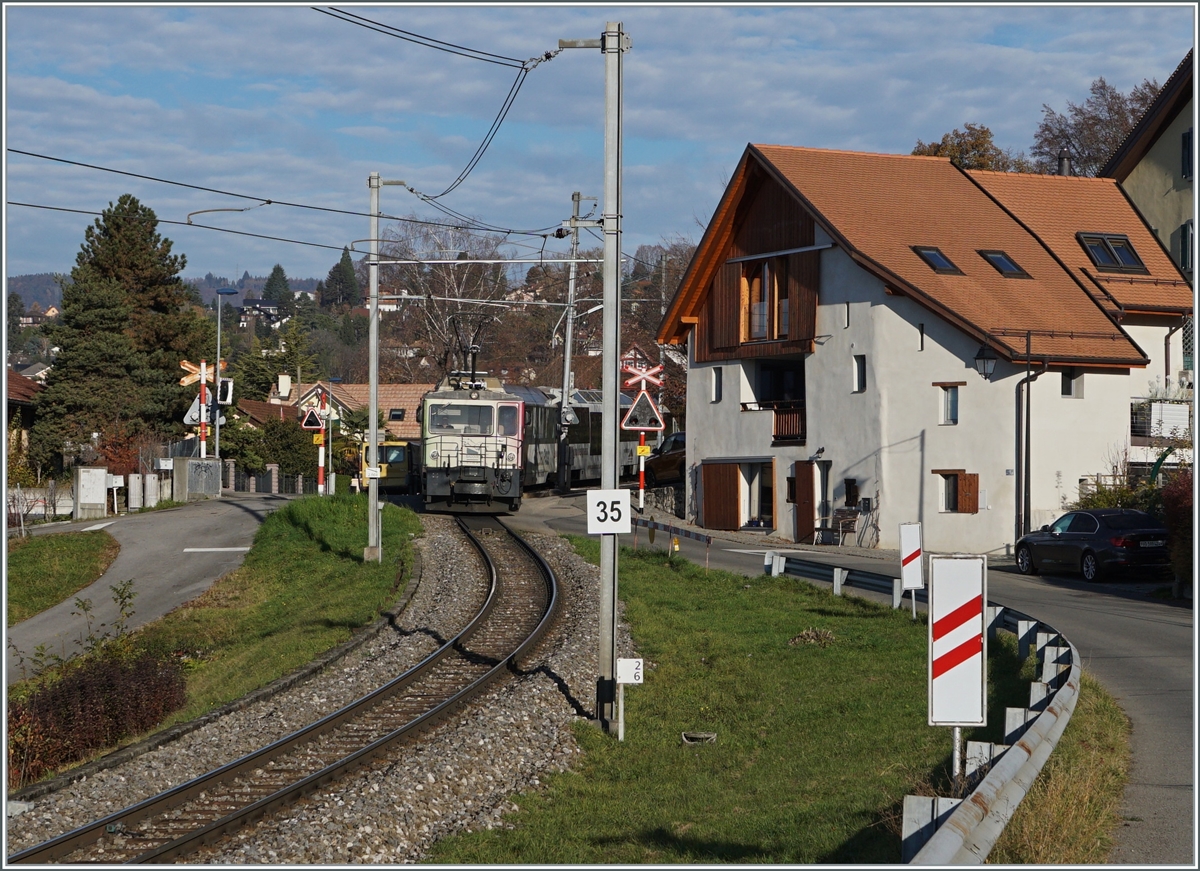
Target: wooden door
x,y
805,509
719,491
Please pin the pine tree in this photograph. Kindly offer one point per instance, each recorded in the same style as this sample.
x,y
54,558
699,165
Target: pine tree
x,y
341,285
278,291
97,382
123,245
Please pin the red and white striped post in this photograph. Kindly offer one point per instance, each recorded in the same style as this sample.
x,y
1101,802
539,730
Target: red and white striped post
x,y
641,471
203,410
957,664
321,451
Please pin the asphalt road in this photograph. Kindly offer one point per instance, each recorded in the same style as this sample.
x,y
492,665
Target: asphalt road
x,y
1141,648
172,556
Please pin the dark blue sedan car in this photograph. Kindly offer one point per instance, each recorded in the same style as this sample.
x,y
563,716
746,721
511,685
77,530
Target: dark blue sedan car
x,y
1096,542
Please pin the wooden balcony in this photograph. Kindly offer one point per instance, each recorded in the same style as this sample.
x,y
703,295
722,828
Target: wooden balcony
x,y
790,426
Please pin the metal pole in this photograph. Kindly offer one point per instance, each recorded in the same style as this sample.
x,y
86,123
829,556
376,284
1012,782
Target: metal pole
x,y
613,47
1028,390
217,382
373,551
564,458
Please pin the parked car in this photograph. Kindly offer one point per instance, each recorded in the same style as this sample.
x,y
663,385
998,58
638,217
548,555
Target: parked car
x,y
1095,542
667,463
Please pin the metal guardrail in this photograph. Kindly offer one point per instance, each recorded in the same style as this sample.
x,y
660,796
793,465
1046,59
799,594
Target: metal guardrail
x,y
971,830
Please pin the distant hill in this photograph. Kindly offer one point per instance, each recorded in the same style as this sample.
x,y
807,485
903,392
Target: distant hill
x,y
41,288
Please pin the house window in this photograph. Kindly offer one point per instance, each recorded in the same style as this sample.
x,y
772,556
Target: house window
x,y
1187,246
1186,165
1072,383
851,485
1111,252
860,373
780,382
717,387
959,491
764,288
936,260
1004,264
396,414
846,325
950,405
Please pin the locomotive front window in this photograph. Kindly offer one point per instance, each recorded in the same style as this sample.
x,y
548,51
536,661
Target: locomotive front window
x,y
459,419
507,421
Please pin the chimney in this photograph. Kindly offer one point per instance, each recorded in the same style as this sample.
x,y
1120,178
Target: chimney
x,y
1064,161
285,386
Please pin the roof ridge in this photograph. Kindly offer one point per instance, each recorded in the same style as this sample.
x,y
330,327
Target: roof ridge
x,y
1043,175
939,158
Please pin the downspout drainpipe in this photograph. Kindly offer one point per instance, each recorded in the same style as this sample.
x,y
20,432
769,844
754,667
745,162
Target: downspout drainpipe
x,y
1022,500
1167,352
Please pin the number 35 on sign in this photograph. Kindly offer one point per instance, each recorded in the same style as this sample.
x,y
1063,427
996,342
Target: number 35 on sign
x,y
608,512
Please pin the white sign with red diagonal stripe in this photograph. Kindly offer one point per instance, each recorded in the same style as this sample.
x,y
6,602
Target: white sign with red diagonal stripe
x,y
911,575
957,641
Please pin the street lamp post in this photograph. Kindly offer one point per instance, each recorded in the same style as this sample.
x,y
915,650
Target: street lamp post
x,y
221,291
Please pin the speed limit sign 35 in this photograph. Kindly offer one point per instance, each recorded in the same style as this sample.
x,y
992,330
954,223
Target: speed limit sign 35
x,y
608,512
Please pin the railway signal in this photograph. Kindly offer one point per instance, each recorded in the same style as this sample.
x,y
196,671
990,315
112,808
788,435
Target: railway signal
x,y
643,417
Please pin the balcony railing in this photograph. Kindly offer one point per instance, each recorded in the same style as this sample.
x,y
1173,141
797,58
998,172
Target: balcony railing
x,y
1150,419
790,421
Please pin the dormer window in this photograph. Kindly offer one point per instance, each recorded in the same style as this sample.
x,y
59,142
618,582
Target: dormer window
x,y
1111,252
938,261
1004,264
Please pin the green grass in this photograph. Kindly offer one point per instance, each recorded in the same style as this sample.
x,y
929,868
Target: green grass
x,y
47,569
816,745
1071,814
302,589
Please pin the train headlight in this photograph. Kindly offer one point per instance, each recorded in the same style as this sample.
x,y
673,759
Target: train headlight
x,y
512,458
433,455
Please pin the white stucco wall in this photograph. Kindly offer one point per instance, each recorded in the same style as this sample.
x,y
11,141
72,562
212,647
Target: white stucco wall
x,y
1157,186
891,436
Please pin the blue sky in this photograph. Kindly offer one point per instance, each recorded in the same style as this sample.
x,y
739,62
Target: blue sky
x,y
286,103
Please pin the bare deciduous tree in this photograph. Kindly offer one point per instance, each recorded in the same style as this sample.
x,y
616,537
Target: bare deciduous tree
x,y
1092,131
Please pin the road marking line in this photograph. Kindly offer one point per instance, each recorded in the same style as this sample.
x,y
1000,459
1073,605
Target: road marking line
x,y
213,549
99,526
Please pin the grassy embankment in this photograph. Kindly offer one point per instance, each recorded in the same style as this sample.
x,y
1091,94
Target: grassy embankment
x,y
44,570
819,705
302,589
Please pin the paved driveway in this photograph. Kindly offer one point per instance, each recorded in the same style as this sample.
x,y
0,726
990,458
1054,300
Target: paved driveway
x,y
172,556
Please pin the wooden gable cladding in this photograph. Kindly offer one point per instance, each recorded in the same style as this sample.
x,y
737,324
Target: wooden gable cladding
x,y
768,218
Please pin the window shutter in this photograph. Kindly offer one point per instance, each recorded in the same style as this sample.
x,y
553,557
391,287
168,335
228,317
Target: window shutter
x,y
968,494
726,315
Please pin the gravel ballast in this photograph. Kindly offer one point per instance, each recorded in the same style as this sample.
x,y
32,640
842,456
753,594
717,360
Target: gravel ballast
x,y
459,776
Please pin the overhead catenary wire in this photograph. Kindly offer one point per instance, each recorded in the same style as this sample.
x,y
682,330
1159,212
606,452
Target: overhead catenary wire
x,y
465,223
523,69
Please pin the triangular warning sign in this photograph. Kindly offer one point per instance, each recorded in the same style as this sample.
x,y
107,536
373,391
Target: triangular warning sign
x,y
312,420
643,415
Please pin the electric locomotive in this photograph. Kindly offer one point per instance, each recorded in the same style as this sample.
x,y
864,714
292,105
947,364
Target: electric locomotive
x,y
471,444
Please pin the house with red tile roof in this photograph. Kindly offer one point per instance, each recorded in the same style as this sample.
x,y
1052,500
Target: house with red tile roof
x,y
21,395
398,403
840,310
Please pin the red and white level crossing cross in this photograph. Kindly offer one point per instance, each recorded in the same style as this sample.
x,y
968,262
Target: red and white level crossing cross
x,y
957,643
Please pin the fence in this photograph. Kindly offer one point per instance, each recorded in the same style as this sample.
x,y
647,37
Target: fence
x,y
949,831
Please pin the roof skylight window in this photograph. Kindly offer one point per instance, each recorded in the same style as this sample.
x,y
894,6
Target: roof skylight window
x,y
1111,252
937,260
1004,264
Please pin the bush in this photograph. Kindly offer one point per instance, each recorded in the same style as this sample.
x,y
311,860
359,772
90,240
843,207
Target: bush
x,y
1122,494
96,705
1179,511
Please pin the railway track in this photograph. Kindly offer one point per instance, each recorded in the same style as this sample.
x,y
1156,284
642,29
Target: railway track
x,y
519,605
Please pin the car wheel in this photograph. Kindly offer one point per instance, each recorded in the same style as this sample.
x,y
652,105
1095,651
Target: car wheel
x,y
1025,561
1089,566
651,478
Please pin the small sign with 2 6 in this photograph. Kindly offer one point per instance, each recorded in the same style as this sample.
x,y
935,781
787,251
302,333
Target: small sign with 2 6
x,y
608,512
